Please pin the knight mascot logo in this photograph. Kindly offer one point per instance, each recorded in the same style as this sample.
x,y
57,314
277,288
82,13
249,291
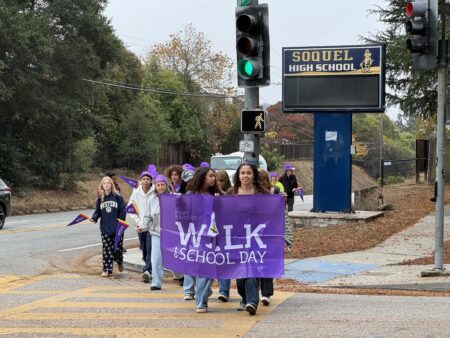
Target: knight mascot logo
x,y
367,62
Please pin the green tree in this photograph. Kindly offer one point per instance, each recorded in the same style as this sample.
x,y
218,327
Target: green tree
x,y
415,91
47,49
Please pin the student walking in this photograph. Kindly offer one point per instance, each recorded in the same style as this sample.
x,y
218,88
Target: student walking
x,y
174,174
247,181
109,207
152,224
203,182
289,182
141,197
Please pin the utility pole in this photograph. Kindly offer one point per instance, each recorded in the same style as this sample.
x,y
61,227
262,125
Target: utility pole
x,y
440,144
440,152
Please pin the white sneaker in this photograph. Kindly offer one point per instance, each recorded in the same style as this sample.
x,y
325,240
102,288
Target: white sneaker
x,y
265,301
188,296
146,277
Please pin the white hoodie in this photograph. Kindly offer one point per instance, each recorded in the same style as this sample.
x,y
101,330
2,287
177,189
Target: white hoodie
x,y
142,201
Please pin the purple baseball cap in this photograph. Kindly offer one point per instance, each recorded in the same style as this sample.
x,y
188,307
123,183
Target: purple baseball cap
x,y
273,174
287,166
204,165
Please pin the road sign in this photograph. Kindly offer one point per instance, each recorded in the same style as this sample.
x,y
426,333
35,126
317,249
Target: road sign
x,y
332,79
246,146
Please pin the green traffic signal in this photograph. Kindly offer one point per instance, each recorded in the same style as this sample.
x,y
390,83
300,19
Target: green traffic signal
x,y
247,69
244,2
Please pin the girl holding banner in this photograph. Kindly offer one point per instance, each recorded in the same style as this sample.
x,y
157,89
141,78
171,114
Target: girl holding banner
x,y
247,181
109,207
203,182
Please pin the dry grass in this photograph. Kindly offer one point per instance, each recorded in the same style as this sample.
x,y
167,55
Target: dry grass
x,y
410,202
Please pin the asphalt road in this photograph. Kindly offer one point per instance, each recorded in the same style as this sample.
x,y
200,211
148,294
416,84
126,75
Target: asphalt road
x,y
50,287
35,244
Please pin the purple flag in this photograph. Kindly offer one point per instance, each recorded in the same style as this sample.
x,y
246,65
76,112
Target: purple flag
x,y
300,193
78,219
121,227
223,237
130,181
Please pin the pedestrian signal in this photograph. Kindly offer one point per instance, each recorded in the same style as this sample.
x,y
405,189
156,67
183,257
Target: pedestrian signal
x,y
254,121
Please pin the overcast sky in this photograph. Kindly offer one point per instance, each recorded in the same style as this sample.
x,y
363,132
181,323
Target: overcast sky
x,y
293,23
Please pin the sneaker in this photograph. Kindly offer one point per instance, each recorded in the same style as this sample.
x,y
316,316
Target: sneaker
x,y
201,310
146,277
222,298
120,267
155,288
251,309
188,296
265,301
105,274
241,307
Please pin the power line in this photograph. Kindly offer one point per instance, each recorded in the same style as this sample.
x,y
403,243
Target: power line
x,y
159,91
296,128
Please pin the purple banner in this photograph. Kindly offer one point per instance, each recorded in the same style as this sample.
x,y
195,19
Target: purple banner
x,y
223,237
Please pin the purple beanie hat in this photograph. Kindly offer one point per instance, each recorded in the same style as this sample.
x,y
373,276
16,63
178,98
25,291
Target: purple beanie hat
x,y
188,166
161,178
145,173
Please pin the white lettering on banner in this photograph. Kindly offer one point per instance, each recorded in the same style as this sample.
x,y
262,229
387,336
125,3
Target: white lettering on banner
x,y
248,257
254,233
196,238
184,238
228,245
212,258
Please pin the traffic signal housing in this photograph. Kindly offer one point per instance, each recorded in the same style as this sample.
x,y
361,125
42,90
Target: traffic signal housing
x,y
254,121
252,44
422,30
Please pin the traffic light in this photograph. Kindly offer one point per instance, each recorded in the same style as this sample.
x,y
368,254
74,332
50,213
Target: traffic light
x,y
422,29
254,121
252,44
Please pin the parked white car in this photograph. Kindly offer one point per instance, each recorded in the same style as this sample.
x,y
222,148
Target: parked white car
x,y
231,162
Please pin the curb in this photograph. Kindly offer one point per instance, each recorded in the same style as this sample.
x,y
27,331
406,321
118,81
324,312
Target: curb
x,y
132,266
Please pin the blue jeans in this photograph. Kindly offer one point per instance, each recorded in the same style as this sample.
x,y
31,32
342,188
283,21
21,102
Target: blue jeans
x,y
224,287
248,289
203,288
156,261
146,250
189,285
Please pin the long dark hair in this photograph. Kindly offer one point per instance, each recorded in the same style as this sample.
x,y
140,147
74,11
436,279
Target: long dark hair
x,y
257,183
198,180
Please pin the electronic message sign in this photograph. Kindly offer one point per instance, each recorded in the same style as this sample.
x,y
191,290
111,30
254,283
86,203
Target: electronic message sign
x,y
333,79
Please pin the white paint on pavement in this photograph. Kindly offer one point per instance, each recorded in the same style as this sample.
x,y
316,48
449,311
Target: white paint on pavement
x,y
91,245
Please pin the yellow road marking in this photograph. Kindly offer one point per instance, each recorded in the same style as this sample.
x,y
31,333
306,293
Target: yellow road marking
x,y
227,321
9,282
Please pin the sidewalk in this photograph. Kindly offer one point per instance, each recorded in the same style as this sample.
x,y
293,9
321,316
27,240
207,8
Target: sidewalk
x,y
372,268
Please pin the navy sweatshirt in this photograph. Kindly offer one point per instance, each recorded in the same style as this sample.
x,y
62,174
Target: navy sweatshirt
x,y
112,208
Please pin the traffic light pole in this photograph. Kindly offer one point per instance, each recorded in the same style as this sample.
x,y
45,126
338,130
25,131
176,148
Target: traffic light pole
x,y
440,154
440,146
252,102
